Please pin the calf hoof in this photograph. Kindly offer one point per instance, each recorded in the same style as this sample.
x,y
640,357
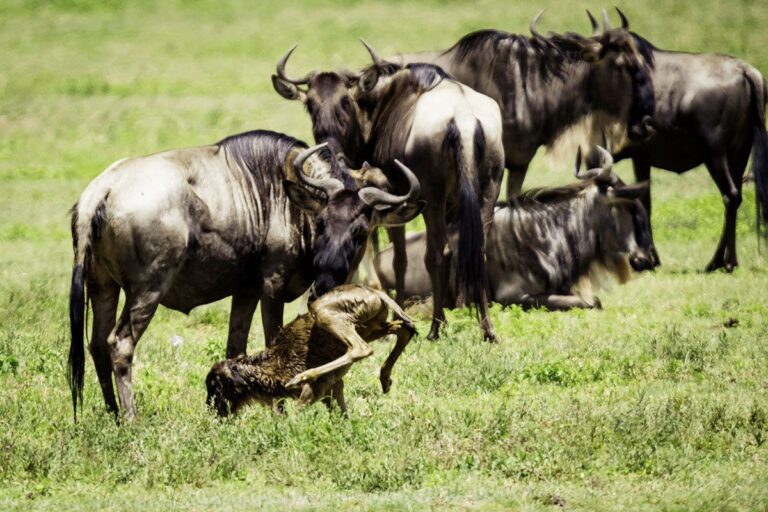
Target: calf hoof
x,y
386,383
490,337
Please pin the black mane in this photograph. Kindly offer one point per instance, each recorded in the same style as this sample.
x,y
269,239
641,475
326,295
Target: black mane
x,y
646,49
552,52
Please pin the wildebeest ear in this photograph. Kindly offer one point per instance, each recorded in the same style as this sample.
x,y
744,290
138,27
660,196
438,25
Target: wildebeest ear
x,y
303,198
286,89
369,79
629,192
399,215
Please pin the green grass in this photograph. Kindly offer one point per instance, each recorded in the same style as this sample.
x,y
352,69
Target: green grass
x,y
653,403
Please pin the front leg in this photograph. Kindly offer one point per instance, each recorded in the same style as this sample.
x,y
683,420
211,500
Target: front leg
x,y
271,318
240,317
399,261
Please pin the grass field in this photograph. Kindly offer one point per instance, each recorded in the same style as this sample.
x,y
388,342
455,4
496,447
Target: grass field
x,y
652,403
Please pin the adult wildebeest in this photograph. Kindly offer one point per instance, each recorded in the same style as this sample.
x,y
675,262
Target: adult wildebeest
x,y
545,248
447,133
544,85
311,355
191,226
710,109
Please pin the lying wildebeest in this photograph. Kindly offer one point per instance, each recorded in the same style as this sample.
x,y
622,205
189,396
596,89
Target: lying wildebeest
x,y
311,355
547,246
710,109
191,226
447,133
544,85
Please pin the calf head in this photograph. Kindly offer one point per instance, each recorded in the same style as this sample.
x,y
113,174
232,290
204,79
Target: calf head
x,y
624,229
345,215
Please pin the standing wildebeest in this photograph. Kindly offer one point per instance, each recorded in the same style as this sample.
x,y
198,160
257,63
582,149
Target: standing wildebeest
x,y
710,109
447,133
544,85
311,355
547,246
191,226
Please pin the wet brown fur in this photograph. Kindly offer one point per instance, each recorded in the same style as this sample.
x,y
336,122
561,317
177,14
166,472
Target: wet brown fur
x,y
308,342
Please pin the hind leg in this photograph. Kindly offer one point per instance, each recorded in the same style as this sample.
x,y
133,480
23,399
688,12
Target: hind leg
x,y
725,254
104,298
104,294
138,311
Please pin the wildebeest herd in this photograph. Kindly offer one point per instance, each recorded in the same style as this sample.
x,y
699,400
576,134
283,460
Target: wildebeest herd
x,y
263,218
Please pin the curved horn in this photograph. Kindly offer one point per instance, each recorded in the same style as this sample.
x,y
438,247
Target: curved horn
x,y
536,22
604,172
593,22
281,69
624,21
373,196
374,56
327,185
606,21
605,158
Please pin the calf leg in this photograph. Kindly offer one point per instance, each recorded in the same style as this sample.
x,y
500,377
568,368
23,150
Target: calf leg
x,y
343,328
719,170
240,317
404,335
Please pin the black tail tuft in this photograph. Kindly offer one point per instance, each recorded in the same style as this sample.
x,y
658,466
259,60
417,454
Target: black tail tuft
x,y
760,172
76,372
471,280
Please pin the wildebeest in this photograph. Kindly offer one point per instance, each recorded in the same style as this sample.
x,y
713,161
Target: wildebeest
x,y
710,109
544,85
546,247
191,226
447,133
311,355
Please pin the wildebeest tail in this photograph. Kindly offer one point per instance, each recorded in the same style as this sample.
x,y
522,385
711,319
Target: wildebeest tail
x,y
759,146
471,281
76,368
85,228
398,311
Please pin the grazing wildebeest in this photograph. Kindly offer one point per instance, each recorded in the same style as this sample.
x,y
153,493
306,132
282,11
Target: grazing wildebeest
x,y
545,248
447,133
191,226
544,85
311,355
710,109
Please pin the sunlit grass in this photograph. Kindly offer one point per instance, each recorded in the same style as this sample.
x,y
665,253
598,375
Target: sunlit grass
x,y
658,401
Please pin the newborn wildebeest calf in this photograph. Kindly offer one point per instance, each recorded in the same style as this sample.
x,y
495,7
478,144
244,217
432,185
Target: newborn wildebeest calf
x,y
309,357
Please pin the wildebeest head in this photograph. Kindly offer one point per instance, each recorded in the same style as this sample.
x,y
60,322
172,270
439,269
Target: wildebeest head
x,y
328,97
345,215
618,67
624,225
